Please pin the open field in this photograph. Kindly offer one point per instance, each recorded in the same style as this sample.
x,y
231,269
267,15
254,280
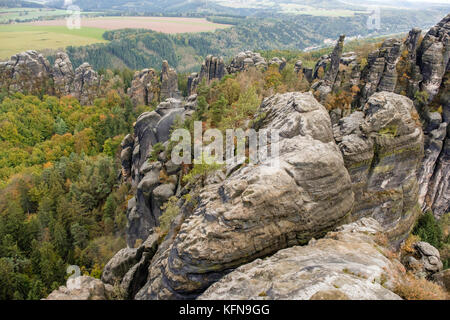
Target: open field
x,y
160,24
19,37
25,14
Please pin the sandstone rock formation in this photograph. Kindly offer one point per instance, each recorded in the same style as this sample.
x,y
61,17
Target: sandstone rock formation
x,y
434,56
63,74
169,82
425,261
345,265
213,68
380,74
144,168
281,63
28,72
145,87
298,67
244,60
259,210
129,267
86,84
82,288
331,66
383,148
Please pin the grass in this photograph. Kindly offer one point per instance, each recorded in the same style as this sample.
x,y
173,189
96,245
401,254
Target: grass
x,y
23,37
24,14
27,14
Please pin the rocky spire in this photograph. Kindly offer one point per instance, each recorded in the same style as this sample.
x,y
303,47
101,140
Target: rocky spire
x,y
169,82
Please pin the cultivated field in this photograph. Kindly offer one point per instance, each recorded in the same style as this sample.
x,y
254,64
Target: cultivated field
x,y
18,37
26,14
160,24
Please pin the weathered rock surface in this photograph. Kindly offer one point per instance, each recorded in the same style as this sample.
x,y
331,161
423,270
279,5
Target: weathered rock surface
x,y
169,82
151,128
213,68
120,264
383,148
144,88
438,192
425,261
380,74
86,84
280,63
259,210
331,63
63,74
298,67
81,288
246,59
434,55
346,264
27,72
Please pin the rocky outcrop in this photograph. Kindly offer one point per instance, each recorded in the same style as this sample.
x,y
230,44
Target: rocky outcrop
x,y
280,63
153,175
245,60
380,74
433,57
345,265
298,67
129,267
119,265
213,68
86,84
435,135
145,87
63,74
28,72
169,82
331,66
383,148
425,261
259,210
82,288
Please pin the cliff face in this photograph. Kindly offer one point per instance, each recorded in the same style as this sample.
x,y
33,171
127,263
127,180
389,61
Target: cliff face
x,y
383,149
433,56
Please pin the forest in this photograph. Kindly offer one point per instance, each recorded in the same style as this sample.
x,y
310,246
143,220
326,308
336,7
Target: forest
x,y
137,49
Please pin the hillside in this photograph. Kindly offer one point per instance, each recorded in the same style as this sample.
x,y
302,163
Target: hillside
x,y
137,49
88,176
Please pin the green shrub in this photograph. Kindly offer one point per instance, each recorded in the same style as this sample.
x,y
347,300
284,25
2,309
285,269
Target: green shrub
x,y
429,230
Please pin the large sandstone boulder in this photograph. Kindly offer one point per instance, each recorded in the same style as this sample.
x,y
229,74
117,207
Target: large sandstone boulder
x,y
425,261
345,265
383,148
261,209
